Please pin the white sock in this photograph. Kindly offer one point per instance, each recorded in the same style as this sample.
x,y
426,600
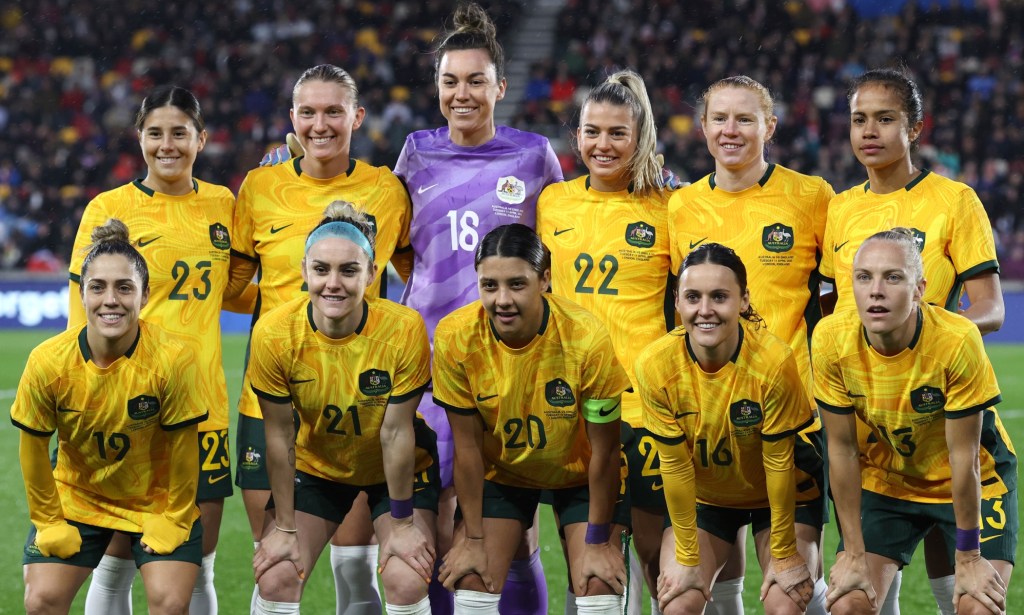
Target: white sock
x,y
468,602
266,607
420,608
817,604
110,591
204,595
634,599
727,598
256,588
609,604
570,602
654,606
942,589
355,580
891,604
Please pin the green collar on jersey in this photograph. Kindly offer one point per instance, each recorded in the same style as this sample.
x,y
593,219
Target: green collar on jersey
x,y
150,192
83,344
761,182
732,359
359,327
298,168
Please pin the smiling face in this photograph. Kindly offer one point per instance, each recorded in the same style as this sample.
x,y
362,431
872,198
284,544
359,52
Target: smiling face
x,y
170,143
880,130
324,117
710,301
736,127
468,89
607,138
113,296
887,291
512,295
337,272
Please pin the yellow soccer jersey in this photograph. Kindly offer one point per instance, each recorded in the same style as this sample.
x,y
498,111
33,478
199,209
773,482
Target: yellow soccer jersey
x,y
906,400
723,417
277,208
777,228
279,205
610,254
341,388
186,241
113,458
529,398
949,222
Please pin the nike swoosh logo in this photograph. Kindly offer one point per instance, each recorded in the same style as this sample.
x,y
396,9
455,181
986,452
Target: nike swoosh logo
x,y
840,246
694,244
608,411
143,243
565,230
680,415
277,229
67,410
217,479
295,381
480,397
423,189
988,538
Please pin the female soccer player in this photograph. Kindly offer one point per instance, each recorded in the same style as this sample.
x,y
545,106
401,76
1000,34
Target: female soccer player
x,y
532,389
465,179
609,238
183,227
277,207
121,396
952,230
937,456
774,218
725,402
354,371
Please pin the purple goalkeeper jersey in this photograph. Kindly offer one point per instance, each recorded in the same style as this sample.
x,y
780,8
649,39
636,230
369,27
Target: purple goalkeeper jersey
x,y
458,195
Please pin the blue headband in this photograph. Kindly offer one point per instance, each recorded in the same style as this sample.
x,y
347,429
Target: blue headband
x,y
344,230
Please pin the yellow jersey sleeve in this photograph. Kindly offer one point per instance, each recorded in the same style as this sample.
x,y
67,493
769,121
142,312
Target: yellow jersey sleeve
x,y
973,251
659,417
830,392
451,383
971,385
267,377
35,407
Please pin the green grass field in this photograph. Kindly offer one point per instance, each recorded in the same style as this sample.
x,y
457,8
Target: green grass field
x,y
234,569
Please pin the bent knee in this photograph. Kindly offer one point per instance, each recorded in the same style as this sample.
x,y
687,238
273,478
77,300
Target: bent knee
x,y
971,606
689,603
41,601
281,583
402,585
853,603
170,603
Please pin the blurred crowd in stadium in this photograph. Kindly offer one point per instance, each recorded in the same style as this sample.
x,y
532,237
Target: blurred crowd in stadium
x,y
72,73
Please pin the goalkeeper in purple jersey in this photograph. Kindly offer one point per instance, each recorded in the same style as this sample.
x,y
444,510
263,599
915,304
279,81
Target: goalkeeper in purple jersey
x,y
465,179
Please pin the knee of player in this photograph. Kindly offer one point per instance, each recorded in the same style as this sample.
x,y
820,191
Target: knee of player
x,y
688,603
281,583
970,606
169,601
402,585
44,598
853,603
778,603
472,582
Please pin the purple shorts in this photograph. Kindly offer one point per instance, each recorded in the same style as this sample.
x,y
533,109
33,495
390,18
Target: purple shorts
x,y
438,421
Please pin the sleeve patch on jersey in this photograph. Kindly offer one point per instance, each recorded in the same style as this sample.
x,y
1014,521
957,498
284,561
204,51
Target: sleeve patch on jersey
x,y
192,421
397,399
959,414
34,432
834,409
456,409
277,399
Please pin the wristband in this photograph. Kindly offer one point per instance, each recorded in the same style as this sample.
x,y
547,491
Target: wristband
x,y
400,509
598,533
968,540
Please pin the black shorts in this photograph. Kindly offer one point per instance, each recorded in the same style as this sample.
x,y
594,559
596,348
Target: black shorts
x,y
94,544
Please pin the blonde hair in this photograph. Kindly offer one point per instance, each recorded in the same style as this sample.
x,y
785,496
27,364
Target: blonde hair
x,y
626,88
328,73
738,81
905,239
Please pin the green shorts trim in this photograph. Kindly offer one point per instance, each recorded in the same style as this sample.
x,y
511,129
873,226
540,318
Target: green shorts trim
x,y
332,500
251,445
94,544
571,505
725,523
646,489
214,466
893,528
810,460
